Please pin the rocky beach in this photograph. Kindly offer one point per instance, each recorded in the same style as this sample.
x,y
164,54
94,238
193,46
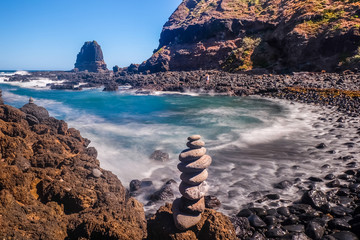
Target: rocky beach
x,y
327,205
272,87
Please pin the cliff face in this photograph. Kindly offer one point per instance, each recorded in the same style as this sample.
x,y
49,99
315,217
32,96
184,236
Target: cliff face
x,y
90,58
51,184
232,35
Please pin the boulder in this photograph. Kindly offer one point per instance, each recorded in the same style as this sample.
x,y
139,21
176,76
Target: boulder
x,y
212,225
52,187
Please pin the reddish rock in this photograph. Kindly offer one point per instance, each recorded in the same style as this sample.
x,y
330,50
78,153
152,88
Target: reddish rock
x,y
48,189
213,225
273,35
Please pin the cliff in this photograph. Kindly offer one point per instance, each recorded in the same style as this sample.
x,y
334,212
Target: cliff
x,y
272,35
90,58
51,184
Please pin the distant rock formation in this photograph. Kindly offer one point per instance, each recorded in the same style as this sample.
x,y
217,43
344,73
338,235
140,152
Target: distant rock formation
x,y
271,35
90,58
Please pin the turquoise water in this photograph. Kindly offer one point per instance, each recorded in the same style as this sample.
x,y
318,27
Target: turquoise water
x,y
249,138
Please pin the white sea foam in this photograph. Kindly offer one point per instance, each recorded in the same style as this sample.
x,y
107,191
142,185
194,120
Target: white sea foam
x,y
38,83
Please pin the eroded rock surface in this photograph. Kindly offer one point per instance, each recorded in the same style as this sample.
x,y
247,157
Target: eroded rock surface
x,y
267,34
90,58
212,225
52,187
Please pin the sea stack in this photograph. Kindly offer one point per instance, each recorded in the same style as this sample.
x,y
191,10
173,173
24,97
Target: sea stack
x,y
90,58
194,163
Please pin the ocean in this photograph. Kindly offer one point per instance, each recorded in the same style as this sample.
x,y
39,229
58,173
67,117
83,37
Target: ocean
x,y
254,142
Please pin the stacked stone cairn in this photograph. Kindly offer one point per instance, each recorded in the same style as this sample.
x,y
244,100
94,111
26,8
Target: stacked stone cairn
x,y
194,163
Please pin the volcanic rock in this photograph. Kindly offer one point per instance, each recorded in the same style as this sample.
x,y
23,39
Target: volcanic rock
x,y
262,35
90,58
45,188
212,225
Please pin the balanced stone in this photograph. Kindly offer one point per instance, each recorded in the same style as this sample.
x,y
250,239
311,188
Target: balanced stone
x,y
183,220
196,166
192,206
194,137
192,154
193,192
195,144
194,178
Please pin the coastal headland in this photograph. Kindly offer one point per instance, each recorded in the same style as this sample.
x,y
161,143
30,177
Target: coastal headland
x,y
51,182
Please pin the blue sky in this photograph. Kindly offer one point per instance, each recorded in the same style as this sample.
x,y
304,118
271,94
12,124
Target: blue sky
x,y
48,34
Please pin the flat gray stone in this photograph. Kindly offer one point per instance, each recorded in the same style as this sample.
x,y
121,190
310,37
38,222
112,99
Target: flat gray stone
x,y
195,144
195,166
193,192
182,220
194,178
192,154
192,206
194,137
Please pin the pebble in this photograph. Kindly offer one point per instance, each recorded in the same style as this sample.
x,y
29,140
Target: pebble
x,y
96,173
256,222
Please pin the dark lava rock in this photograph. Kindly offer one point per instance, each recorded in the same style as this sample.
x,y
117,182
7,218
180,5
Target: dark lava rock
x,y
257,236
135,185
244,213
315,179
1,99
333,184
273,196
212,202
275,233
165,193
111,87
315,198
159,155
242,227
339,224
283,184
259,211
321,146
341,211
315,230
330,176
116,69
40,113
298,228
345,235
90,58
271,220
256,222
284,211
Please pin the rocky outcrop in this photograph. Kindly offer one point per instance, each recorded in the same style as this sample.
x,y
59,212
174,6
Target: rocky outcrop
x,y
90,58
268,34
212,225
52,186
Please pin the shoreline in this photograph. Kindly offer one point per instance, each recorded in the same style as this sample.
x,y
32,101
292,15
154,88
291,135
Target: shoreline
x,y
334,212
